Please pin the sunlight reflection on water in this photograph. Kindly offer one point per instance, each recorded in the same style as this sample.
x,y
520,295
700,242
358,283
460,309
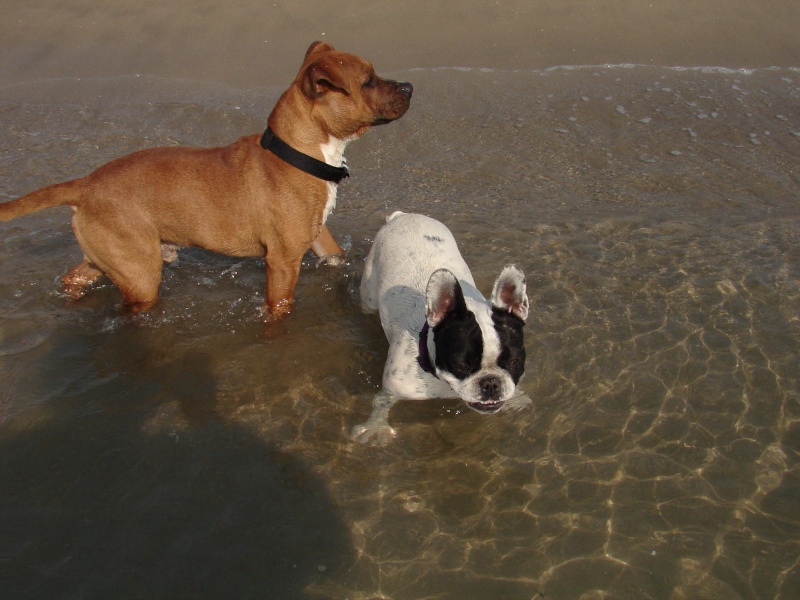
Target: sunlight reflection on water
x,y
659,457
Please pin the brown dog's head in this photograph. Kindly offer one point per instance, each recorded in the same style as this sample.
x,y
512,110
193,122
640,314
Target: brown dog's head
x,y
347,96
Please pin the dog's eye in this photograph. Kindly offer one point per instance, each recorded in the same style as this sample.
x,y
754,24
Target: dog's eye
x,y
369,83
460,369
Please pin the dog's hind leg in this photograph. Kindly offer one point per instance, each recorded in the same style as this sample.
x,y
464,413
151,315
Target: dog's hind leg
x,y
131,259
136,271
79,277
139,295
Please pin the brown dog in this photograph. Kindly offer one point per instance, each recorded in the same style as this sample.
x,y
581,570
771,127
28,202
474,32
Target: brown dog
x,y
259,196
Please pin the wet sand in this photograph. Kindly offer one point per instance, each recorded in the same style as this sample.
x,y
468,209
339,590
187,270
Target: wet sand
x,y
255,43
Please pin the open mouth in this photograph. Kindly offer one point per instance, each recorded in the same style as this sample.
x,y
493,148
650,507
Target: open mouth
x,y
487,406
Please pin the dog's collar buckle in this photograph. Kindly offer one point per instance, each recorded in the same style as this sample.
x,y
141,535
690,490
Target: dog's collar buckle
x,y
424,358
304,162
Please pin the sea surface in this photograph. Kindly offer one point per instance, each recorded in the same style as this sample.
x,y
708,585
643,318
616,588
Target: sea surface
x,y
194,452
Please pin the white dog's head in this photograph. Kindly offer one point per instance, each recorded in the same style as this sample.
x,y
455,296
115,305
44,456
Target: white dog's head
x,y
477,347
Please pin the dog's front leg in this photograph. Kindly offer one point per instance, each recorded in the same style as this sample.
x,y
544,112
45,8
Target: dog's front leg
x,y
282,277
377,426
326,248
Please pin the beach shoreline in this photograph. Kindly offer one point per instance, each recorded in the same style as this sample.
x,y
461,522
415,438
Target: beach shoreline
x,y
262,43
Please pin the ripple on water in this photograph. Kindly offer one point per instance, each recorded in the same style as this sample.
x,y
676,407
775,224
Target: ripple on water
x,y
658,457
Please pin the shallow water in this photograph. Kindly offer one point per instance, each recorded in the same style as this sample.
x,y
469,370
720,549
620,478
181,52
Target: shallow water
x,y
196,452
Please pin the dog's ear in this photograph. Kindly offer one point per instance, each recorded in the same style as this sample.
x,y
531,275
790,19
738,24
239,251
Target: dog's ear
x,y
508,294
319,47
321,77
443,297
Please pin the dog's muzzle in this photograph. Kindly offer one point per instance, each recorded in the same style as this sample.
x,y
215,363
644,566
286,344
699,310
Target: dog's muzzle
x,y
405,88
491,390
393,110
487,407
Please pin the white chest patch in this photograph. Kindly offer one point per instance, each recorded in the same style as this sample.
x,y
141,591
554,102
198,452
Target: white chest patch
x,y
333,151
331,203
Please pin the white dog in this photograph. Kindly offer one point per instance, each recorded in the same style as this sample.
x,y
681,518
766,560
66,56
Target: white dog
x,y
445,339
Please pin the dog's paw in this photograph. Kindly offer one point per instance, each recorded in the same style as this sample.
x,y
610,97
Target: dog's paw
x,y
373,435
332,260
169,253
272,313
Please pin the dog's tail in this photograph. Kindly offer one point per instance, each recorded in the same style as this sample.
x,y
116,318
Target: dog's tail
x,y
55,195
396,213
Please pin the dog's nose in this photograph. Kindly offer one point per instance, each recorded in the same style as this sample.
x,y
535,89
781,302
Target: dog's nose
x,y
490,386
405,88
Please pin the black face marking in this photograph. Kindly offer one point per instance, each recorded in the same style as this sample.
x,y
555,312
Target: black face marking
x,y
459,345
434,238
512,348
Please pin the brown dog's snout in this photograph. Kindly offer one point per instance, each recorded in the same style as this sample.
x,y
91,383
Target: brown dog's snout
x,y
405,88
397,100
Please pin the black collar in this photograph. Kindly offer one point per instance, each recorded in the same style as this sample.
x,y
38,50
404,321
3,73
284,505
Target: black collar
x,y
424,358
304,162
